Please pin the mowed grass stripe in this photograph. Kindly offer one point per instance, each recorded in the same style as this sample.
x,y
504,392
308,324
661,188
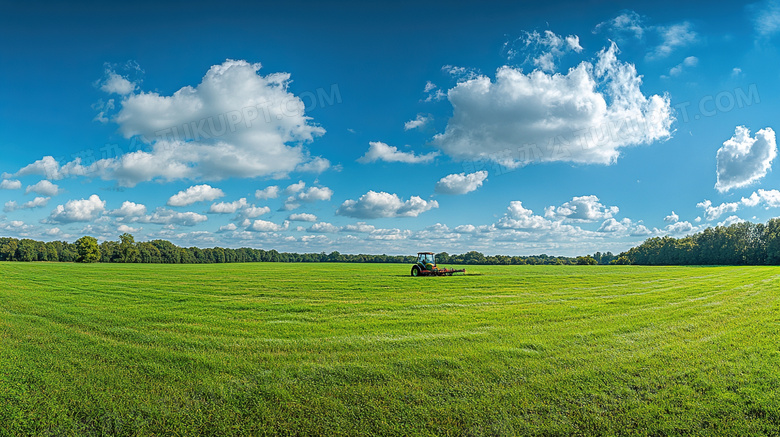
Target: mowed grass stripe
x,y
349,349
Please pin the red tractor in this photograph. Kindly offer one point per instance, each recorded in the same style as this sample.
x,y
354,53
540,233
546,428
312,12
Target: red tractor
x,y
426,266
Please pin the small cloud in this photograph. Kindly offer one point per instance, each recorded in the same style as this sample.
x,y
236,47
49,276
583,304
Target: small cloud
x,y
197,193
8,184
379,151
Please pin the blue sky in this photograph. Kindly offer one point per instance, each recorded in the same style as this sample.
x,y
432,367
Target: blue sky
x,y
562,128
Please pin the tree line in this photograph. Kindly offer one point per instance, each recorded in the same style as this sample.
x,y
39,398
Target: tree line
x,y
742,243
127,250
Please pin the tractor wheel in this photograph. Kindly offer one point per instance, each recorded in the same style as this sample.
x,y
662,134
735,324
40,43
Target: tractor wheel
x,y
415,271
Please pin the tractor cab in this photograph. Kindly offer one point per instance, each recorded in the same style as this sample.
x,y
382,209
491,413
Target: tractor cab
x,y
425,259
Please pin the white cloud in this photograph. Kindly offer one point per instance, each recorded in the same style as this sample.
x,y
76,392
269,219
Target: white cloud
x,y
461,183
252,211
543,50
766,19
125,228
271,192
581,209
382,204
518,217
43,187
379,151
228,207
690,61
611,225
743,159
310,195
323,227
129,209
196,193
434,94
359,227
163,216
672,218
712,212
302,217
679,228
673,37
35,203
418,122
627,22
228,227
113,83
53,231
83,210
584,116
294,188
730,220
8,184
235,123
770,199
266,226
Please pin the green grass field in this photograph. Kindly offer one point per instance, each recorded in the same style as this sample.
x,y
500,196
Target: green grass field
x,y
344,349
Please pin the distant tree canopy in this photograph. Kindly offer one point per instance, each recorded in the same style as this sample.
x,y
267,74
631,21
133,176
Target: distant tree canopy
x,y
739,244
126,250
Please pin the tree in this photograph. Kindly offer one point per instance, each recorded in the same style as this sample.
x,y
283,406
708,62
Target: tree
x,y
586,261
88,251
128,253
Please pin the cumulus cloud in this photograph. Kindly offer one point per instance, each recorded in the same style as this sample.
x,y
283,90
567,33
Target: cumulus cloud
x,y
9,184
766,18
129,209
234,123
310,195
712,212
271,192
35,203
163,216
518,217
228,207
113,83
129,229
196,193
770,198
83,210
379,151
584,116
581,209
420,121
359,227
294,188
382,204
266,226
743,159
323,227
461,183
43,187
672,218
252,211
302,217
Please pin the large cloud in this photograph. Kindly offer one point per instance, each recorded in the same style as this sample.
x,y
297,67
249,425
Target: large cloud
x,y
584,116
43,187
743,159
235,123
376,205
